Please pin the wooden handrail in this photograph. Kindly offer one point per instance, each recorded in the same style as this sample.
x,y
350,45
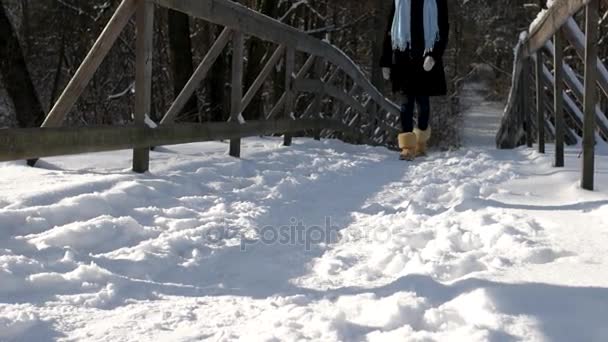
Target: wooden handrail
x,y
556,23
25,143
230,14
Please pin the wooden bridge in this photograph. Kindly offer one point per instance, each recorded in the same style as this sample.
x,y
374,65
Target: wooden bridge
x,y
529,114
313,66
364,114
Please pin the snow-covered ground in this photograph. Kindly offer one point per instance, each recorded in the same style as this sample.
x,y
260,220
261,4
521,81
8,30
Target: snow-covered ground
x,y
321,241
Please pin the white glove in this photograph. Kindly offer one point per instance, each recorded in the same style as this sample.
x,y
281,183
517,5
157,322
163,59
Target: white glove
x,y
429,63
386,73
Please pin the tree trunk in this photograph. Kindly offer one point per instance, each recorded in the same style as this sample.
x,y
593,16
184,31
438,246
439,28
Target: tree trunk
x,y
216,82
379,27
16,77
182,67
25,25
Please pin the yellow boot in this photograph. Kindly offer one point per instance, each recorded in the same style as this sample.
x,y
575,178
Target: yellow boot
x,y
407,144
422,137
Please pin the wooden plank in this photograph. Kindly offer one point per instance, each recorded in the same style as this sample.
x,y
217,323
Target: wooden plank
x,y
578,88
373,118
290,61
527,106
26,143
143,78
340,109
198,76
558,101
231,14
513,120
236,95
551,21
277,107
355,124
310,61
281,102
259,81
540,104
316,104
573,111
334,74
316,86
91,63
353,90
591,49
570,108
335,105
518,122
576,38
308,111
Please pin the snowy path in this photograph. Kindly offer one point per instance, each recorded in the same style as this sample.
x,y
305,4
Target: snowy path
x,y
482,118
469,245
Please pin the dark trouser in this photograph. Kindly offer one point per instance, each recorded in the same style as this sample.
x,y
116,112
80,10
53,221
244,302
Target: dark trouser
x,y
407,112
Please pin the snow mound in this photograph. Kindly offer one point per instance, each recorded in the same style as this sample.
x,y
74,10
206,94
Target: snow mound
x,y
101,234
321,241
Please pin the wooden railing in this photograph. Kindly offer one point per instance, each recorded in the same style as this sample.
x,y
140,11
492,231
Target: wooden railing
x,y
547,38
365,114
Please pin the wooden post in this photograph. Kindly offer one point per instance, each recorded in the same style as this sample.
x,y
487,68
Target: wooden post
x,y
558,89
290,62
525,91
590,101
356,124
236,97
143,78
339,114
316,108
540,104
373,117
520,104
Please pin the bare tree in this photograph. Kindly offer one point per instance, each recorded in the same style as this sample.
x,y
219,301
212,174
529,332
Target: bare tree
x,y
257,51
16,76
380,23
180,46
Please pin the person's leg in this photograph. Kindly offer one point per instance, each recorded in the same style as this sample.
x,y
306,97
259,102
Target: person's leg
x,y
423,131
407,113
407,139
424,112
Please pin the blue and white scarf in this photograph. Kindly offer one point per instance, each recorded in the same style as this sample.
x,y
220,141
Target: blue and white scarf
x,y
401,31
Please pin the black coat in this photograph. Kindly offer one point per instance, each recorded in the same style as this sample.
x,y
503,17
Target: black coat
x,y
407,73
